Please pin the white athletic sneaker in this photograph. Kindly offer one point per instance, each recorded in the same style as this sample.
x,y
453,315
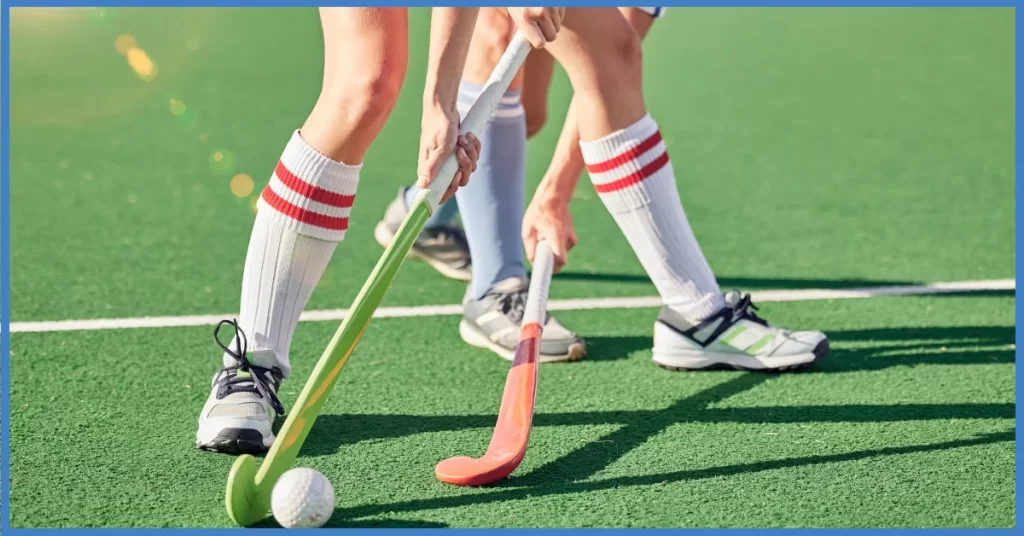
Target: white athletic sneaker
x,y
239,415
734,337
493,322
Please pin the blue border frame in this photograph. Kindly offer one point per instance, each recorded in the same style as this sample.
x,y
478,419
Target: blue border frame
x,y
5,225
5,267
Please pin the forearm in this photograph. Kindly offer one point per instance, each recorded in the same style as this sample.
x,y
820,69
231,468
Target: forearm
x,y
451,30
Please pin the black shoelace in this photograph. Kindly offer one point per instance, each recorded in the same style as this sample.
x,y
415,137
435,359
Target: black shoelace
x,y
256,381
745,309
513,304
446,234
729,315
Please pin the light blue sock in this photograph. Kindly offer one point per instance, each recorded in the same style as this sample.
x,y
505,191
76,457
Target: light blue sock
x,y
492,204
444,215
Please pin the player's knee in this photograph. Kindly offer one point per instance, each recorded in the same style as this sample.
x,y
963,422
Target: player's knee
x,y
493,33
385,87
366,98
626,55
612,68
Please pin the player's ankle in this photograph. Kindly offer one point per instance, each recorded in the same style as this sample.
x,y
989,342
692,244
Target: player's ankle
x,y
699,310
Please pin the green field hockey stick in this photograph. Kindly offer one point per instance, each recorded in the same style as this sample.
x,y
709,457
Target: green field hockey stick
x,y
248,490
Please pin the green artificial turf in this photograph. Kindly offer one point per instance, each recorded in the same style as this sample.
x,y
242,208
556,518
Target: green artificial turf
x,y
813,148
910,423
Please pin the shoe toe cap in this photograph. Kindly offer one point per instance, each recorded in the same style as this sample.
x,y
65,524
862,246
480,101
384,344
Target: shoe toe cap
x,y
558,340
810,338
805,342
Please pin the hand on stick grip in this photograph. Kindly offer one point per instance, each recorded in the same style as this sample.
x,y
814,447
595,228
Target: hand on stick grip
x,y
479,113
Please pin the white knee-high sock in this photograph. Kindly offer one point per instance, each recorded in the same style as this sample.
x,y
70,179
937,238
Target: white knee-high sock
x,y
302,215
633,176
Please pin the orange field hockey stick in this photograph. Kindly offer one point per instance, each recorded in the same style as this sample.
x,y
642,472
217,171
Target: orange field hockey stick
x,y
515,418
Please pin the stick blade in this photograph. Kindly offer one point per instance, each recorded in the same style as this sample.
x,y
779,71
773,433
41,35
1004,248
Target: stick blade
x,y
515,419
245,504
466,471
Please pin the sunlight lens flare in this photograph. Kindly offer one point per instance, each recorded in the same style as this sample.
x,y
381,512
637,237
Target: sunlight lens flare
x,y
141,63
222,162
124,44
242,185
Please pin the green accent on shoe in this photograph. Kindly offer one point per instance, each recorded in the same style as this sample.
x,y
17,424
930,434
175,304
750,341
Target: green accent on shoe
x,y
731,336
760,344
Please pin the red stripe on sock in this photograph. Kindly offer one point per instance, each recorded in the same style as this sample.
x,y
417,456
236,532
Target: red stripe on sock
x,y
309,191
303,215
629,180
630,154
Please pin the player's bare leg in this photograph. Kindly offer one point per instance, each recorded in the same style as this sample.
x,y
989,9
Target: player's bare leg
x,y
567,158
366,51
538,70
628,163
303,215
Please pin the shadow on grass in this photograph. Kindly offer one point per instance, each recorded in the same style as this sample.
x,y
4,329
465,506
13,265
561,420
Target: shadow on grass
x,y
535,485
872,349
331,432
882,348
616,347
876,349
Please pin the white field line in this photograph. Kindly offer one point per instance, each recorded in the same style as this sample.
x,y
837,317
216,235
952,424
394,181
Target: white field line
x,y
553,305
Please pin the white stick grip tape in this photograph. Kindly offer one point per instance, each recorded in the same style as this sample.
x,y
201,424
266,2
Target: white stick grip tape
x,y
540,281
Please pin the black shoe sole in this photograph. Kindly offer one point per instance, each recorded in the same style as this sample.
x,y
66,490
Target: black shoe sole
x,y
236,441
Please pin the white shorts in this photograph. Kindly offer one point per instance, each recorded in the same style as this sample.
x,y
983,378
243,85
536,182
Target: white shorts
x,y
656,12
